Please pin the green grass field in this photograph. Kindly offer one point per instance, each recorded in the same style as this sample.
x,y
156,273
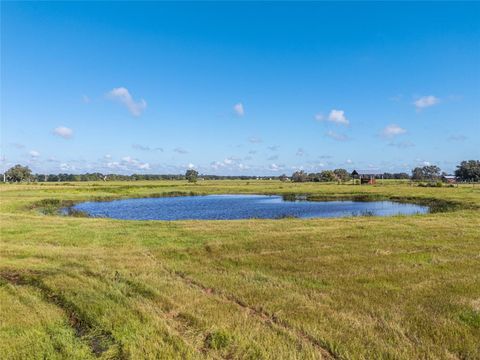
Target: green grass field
x,y
353,288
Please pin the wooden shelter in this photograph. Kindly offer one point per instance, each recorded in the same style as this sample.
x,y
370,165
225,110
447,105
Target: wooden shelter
x,y
367,176
450,179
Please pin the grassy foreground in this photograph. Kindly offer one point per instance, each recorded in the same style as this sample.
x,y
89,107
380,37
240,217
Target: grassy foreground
x,y
351,288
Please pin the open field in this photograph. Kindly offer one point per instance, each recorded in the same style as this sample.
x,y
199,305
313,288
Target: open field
x,y
351,288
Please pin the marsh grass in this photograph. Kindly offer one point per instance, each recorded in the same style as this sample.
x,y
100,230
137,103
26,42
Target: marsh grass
x,y
404,287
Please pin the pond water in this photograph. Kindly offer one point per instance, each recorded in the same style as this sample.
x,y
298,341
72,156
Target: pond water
x,y
226,207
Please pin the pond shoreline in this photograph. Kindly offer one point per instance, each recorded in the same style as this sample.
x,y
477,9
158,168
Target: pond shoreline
x,y
240,206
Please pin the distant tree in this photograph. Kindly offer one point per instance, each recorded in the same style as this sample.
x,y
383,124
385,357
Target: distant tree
x,y
328,175
191,175
342,174
313,177
299,176
283,178
417,173
18,173
401,175
431,172
468,170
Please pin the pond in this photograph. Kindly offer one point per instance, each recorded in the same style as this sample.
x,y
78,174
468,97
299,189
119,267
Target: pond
x,y
228,207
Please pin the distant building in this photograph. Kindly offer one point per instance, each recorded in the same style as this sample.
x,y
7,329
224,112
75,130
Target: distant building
x,y
367,176
450,179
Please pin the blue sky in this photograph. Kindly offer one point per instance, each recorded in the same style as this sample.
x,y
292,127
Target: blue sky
x,y
239,88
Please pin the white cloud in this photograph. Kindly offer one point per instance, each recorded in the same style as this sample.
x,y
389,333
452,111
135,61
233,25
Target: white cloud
x,y
66,167
338,117
114,165
349,161
426,101
108,156
190,166
129,163
300,152
34,153
63,132
392,131
319,117
274,167
216,165
230,163
122,95
336,136
143,166
273,148
239,110
273,157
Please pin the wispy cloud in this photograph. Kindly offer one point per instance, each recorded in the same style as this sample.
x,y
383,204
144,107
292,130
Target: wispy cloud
x,y
34,153
426,101
63,132
392,130
128,163
180,150
141,147
336,136
273,157
66,167
239,109
254,140
458,137
273,148
396,98
146,148
17,145
275,167
402,144
230,163
300,152
123,96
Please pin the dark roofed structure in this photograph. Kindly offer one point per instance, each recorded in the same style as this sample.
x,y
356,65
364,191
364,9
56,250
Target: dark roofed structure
x,y
367,176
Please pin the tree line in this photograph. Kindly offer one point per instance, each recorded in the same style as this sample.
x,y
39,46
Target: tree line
x,y
466,171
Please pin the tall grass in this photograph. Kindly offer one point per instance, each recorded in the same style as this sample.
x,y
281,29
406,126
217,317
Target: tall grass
x,y
404,287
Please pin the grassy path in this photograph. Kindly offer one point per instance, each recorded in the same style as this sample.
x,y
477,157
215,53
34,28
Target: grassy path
x,y
352,288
